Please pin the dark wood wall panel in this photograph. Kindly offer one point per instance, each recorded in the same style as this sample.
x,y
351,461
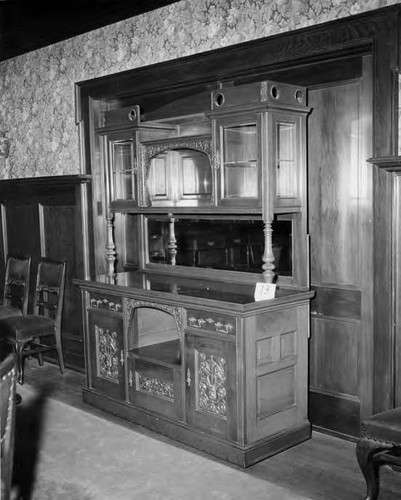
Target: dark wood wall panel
x,y
334,356
59,238
340,414
334,183
22,228
42,218
336,302
21,234
340,208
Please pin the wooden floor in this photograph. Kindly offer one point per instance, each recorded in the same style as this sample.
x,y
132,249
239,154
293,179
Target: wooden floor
x,y
323,468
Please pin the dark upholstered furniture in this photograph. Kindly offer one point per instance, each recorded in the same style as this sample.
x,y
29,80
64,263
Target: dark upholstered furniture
x,y
16,286
380,444
7,416
26,333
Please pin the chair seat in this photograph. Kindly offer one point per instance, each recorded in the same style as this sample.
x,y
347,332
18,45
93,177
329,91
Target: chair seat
x,y
8,311
385,426
25,327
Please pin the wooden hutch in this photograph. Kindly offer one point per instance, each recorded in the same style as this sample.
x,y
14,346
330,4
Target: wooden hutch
x,y
201,207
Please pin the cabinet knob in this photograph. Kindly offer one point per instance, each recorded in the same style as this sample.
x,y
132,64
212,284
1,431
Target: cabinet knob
x,y
188,377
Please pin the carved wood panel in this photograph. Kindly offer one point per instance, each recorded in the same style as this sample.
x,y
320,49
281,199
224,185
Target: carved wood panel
x,y
106,356
210,385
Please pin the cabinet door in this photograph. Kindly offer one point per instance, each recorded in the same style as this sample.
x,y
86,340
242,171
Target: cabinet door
x,y
106,354
155,387
121,163
238,151
159,180
287,155
210,385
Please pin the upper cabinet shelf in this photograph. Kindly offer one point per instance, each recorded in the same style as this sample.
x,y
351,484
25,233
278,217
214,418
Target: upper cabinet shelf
x,y
246,151
222,189
259,136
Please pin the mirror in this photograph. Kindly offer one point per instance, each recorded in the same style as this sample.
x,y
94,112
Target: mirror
x,y
235,245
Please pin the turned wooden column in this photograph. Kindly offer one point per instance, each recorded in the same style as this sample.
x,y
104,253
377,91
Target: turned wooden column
x,y
268,256
172,242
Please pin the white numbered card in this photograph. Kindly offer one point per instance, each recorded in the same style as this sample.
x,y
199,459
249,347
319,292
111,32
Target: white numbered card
x,y
264,291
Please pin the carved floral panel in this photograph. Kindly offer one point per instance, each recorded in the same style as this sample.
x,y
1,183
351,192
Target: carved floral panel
x,y
211,384
155,386
108,354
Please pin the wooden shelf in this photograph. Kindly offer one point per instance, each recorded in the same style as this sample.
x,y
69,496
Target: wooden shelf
x,y
165,353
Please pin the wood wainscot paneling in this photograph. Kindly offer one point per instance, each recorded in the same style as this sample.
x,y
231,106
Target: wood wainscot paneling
x,y
387,366
341,232
44,217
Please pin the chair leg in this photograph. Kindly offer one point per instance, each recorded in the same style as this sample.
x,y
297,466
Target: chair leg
x,y
365,451
40,359
59,348
19,348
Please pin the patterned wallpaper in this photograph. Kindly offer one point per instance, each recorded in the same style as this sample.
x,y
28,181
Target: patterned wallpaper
x,y
37,89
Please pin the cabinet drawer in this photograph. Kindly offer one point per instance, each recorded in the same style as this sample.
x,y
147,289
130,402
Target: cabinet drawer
x,y
102,301
212,322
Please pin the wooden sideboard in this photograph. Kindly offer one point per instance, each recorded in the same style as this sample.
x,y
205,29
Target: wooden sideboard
x,y
199,361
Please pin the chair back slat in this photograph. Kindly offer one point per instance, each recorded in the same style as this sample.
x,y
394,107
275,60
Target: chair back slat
x,y
16,283
49,291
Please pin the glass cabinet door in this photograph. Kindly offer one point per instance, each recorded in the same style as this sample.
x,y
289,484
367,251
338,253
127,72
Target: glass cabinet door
x,y
285,173
286,155
239,178
123,181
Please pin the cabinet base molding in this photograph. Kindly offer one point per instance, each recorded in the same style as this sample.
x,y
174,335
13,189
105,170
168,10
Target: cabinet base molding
x,y
243,456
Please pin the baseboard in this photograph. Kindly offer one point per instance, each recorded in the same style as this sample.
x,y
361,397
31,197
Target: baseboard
x,y
334,414
243,456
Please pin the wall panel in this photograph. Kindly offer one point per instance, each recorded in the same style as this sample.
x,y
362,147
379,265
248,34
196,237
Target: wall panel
x,y
334,356
341,232
43,218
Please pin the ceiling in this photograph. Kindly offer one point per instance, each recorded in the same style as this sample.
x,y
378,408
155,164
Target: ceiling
x,y
27,25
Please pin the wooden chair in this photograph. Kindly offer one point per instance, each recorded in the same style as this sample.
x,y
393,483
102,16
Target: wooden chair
x,y
27,332
7,416
380,444
16,286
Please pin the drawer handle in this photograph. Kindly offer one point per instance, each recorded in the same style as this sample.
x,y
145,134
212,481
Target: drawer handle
x,y
188,377
122,358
